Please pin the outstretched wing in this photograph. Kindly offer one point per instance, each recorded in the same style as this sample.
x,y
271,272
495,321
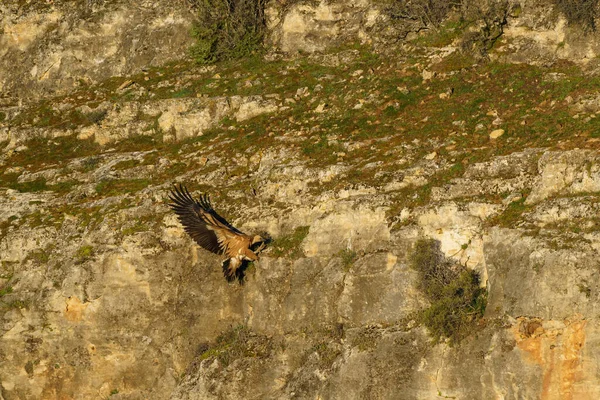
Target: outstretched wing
x,y
201,221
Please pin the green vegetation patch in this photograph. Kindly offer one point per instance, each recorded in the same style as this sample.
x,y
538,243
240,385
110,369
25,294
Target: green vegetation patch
x,y
6,290
7,295
227,29
444,36
121,186
581,13
37,185
457,302
141,224
41,152
84,253
44,115
126,164
328,352
289,245
348,257
512,214
236,343
40,256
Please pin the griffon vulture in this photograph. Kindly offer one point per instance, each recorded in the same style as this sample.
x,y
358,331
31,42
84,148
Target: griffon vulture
x,y
215,234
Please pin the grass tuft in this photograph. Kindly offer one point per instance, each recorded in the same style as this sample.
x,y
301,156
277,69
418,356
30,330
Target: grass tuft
x,y
348,257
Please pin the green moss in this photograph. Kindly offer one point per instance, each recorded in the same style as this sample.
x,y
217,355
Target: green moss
x,y
7,296
142,223
63,187
19,304
43,115
449,31
40,184
137,227
365,339
89,217
9,180
186,92
84,253
327,352
90,163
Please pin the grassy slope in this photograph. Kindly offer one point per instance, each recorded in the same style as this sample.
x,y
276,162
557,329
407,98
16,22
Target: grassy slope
x,y
377,109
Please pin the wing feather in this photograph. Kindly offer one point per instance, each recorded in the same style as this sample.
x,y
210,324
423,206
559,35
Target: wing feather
x,y
201,221
212,216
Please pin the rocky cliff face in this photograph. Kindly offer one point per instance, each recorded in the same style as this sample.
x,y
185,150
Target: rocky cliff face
x,y
347,156
54,47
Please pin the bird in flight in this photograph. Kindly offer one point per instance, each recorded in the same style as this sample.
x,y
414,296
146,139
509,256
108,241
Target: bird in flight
x,y
215,234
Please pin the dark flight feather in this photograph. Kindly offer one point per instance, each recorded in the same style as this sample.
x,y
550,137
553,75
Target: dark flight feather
x,y
192,215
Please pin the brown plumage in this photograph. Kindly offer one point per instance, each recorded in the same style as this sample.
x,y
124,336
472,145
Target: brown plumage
x,y
214,233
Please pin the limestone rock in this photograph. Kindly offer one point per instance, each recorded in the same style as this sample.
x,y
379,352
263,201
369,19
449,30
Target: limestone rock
x,y
97,40
360,230
496,133
314,27
566,173
254,106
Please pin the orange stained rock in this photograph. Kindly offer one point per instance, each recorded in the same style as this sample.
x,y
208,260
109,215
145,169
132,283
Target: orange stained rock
x,y
74,309
557,348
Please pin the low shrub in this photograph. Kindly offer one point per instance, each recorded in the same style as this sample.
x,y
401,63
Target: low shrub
x,y
579,12
429,13
227,29
456,299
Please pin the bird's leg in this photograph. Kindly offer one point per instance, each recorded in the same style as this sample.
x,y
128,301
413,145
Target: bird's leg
x,y
261,248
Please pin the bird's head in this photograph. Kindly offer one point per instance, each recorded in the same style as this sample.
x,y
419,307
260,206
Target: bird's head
x,y
259,242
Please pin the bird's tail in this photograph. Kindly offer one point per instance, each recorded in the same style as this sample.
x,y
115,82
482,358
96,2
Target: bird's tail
x,y
229,270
